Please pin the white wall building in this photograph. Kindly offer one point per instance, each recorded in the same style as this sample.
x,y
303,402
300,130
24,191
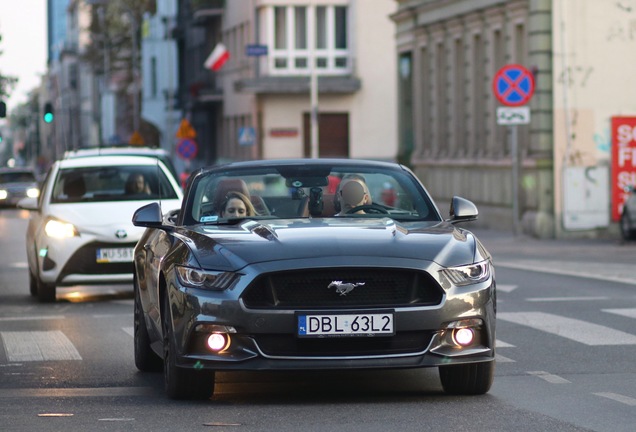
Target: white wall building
x,y
349,43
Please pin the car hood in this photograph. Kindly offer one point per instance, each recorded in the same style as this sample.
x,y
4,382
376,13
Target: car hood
x,y
253,242
105,219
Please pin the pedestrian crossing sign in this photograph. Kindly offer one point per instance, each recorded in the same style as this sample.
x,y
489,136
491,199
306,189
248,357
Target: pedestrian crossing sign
x,y
246,136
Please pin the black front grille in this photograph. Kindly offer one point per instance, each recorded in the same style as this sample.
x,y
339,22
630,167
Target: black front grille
x,y
84,261
309,289
292,346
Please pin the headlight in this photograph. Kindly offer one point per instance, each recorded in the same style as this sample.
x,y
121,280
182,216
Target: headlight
x,y
206,279
467,275
3,194
33,192
58,229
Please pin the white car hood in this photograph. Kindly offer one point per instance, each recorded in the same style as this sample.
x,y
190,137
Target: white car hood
x,y
106,220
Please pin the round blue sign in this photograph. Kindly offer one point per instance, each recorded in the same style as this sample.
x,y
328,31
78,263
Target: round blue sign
x,y
187,148
513,85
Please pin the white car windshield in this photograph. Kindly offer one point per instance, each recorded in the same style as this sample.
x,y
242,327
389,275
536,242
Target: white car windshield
x,y
111,183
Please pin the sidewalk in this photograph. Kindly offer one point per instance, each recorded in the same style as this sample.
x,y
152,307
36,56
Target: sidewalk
x,y
603,259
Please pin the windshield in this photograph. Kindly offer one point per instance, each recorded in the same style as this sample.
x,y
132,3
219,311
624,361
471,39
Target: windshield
x,y
17,177
307,192
112,183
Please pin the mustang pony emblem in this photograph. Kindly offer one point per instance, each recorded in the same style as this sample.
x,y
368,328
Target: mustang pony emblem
x,y
344,288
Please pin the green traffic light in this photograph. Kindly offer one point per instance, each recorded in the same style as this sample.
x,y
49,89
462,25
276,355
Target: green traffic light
x,y
48,117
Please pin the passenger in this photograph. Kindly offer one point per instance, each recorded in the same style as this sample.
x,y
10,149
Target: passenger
x,y
136,185
352,192
236,205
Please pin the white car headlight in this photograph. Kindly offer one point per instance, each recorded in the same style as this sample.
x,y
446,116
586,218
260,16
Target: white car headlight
x,y
33,192
468,274
3,194
58,229
205,279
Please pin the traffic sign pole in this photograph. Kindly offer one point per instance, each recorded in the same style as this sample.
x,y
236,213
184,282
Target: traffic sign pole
x,y
513,86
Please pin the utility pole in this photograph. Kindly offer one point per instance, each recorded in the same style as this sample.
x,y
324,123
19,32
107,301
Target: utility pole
x,y
313,85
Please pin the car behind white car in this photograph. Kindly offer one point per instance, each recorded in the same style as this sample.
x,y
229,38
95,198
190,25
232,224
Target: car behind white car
x,y
80,229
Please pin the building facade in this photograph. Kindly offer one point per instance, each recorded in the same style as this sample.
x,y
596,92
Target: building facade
x,y
347,45
449,54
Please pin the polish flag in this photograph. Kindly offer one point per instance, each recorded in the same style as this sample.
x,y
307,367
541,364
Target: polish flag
x,y
217,57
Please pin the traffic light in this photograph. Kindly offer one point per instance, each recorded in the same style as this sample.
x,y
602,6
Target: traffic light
x,y
48,112
3,109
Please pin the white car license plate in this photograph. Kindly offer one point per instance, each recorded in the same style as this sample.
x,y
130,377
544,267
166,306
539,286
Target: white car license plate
x,y
346,324
110,255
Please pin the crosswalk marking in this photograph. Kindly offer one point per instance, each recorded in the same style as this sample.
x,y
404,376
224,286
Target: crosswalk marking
x,y
551,378
577,330
627,312
502,359
502,344
38,346
559,299
506,288
618,398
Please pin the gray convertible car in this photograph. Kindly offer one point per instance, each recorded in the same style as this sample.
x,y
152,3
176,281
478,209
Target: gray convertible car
x,y
311,265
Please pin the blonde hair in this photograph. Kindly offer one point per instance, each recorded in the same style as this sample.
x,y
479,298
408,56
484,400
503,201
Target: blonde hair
x,y
249,207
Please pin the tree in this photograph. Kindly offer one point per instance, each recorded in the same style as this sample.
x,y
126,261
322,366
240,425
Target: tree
x,y
7,83
110,52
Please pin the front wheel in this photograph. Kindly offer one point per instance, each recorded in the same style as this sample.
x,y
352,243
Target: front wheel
x,y
145,358
467,379
182,383
45,292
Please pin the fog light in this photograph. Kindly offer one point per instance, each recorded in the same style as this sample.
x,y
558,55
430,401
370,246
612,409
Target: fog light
x,y
464,336
218,342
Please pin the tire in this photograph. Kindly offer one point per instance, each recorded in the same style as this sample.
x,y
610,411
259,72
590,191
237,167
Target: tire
x,y
33,285
467,379
627,231
182,383
146,359
45,292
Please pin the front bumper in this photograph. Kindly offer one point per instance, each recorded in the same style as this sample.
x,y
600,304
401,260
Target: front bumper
x,y
263,339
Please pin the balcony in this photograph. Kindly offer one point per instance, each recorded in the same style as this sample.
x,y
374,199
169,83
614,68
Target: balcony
x,y
206,10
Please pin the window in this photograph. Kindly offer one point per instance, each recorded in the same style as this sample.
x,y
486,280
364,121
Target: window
x,y
306,36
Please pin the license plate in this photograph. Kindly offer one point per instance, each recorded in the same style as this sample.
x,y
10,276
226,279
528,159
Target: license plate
x,y
110,255
346,324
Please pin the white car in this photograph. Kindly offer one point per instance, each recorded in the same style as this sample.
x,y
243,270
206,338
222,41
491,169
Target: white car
x,y
80,230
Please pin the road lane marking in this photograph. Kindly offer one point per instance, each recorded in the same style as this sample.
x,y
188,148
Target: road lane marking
x,y
627,312
77,392
38,346
618,398
559,299
32,318
506,288
573,329
551,378
501,359
502,344
559,268
129,330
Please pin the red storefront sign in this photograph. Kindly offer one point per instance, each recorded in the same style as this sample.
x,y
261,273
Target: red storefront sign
x,y
623,161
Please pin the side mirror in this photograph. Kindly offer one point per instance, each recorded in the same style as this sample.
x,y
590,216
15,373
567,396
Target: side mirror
x,y
30,204
462,210
148,216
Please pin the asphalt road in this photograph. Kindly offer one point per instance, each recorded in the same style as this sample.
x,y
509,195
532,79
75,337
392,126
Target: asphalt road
x,y
566,349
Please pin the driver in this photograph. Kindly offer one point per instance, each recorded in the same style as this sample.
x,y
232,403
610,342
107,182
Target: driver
x,y
352,192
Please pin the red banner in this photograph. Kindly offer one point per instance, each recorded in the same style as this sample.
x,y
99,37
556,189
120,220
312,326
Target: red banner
x,y
623,161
